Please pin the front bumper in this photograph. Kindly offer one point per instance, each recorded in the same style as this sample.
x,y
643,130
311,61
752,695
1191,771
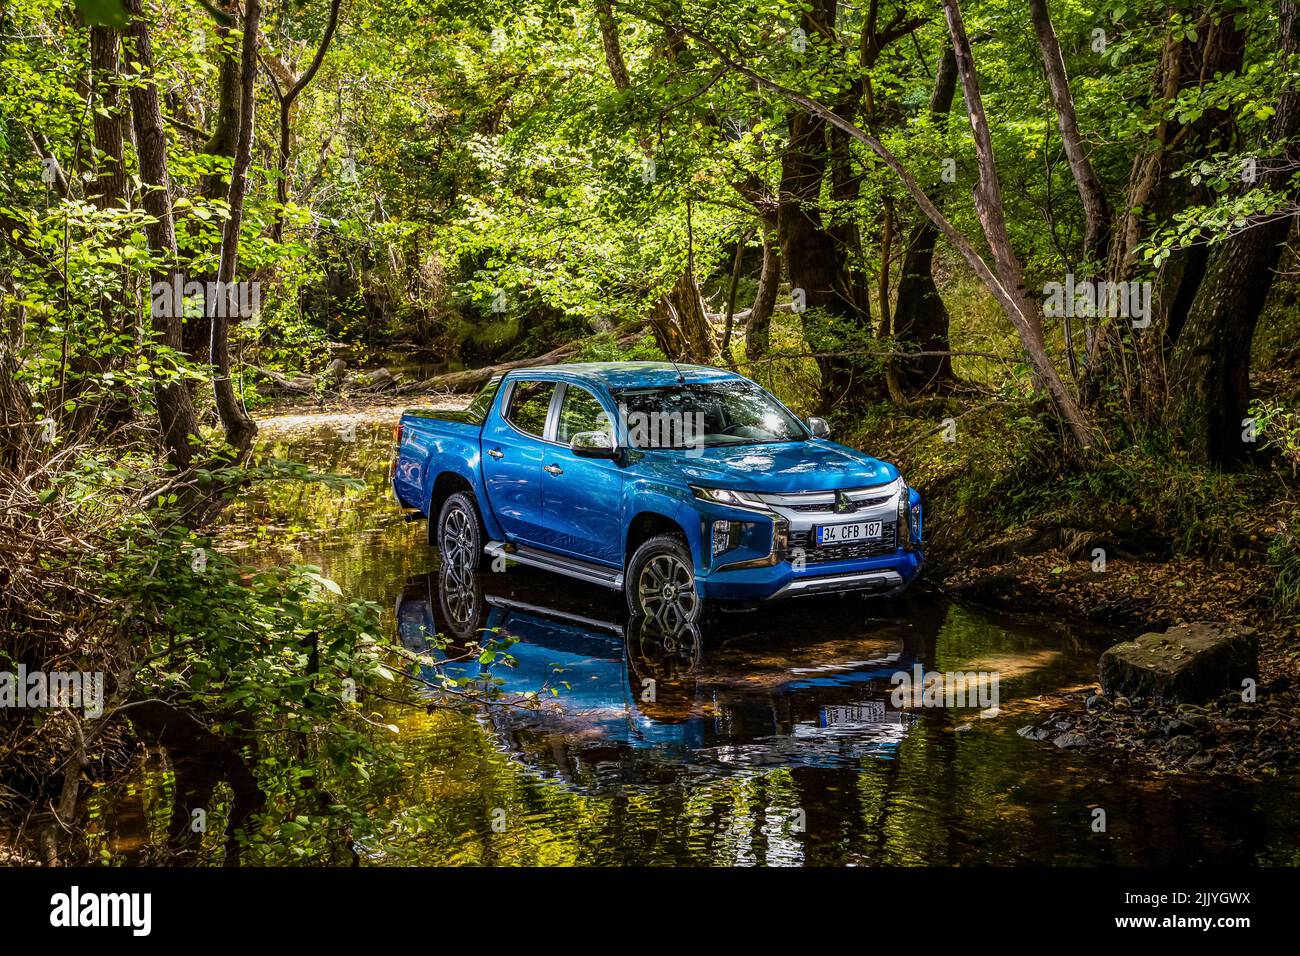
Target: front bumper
x,y
792,566
886,574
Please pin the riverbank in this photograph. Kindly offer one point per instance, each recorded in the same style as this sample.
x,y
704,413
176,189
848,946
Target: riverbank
x,y
1133,542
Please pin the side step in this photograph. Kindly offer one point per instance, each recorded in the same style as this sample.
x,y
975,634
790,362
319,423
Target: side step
x,y
570,567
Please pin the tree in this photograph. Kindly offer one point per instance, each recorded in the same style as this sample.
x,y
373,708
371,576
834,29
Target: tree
x,y
1210,373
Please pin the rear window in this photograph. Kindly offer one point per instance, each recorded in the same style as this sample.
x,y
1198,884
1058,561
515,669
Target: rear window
x,y
528,405
476,411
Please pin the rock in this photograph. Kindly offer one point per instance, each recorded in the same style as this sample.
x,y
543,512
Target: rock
x,y
1071,741
1176,728
1097,702
1201,761
1063,725
337,371
1123,704
1182,746
1031,732
1190,663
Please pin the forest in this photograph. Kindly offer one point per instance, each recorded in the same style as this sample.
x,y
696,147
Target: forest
x,y
1041,252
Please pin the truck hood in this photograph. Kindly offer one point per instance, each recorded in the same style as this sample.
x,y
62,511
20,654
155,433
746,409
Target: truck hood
x,y
781,467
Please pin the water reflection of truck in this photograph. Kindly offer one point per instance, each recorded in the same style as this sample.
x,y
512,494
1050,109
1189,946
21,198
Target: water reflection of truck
x,y
639,702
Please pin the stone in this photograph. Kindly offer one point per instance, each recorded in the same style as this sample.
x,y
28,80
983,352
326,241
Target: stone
x,y
1071,741
1031,732
1176,728
1189,663
1182,746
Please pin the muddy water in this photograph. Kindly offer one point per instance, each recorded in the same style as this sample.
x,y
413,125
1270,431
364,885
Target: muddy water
x,y
767,737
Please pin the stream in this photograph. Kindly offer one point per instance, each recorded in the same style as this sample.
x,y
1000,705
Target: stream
x,y
767,737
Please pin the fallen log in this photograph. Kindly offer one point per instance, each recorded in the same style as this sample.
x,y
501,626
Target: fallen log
x,y
297,385
332,379
375,381
718,318
472,379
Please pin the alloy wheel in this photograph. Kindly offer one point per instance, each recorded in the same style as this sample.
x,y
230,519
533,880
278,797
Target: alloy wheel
x,y
666,590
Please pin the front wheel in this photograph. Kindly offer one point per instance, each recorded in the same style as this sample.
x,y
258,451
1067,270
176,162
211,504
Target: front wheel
x,y
660,582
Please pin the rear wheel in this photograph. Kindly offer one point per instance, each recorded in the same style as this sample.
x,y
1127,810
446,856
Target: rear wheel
x,y
660,582
461,534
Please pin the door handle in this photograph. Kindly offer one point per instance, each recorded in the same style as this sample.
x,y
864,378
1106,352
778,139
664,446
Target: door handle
x,y
496,453
554,469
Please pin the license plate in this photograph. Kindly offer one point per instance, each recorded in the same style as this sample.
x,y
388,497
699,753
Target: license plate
x,y
868,712
848,533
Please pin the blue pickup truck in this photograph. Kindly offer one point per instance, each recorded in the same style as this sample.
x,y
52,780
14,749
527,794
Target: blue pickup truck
x,y
679,485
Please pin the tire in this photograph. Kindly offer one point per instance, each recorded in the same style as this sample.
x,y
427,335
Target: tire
x,y
660,582
460,534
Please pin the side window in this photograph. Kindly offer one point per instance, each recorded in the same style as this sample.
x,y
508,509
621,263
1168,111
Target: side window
x,y
581,412
528,404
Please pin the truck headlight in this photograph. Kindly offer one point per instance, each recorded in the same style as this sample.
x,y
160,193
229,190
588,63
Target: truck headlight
x,y
724,496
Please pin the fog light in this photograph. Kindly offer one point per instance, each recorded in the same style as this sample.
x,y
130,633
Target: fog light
x,y
726,535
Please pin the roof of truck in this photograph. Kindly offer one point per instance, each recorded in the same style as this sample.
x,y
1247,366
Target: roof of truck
x,y
633,374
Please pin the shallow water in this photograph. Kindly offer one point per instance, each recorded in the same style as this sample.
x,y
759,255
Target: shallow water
x,y
767,737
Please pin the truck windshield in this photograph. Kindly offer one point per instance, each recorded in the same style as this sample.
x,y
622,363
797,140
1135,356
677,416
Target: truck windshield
x,y
706,414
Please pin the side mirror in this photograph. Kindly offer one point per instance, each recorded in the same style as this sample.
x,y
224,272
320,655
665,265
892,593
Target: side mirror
x,y
819,428
593,445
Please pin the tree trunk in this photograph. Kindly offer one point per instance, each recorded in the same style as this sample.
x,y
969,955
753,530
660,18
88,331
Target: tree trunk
x,y
680,327
1210,366
814,254
729,322
613,48
758,324
240,427
286,117
1024,313
110,178
225,134
176,418
921,319
110,190
1096,210
1154,195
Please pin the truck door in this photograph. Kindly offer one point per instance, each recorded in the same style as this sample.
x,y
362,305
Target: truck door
x,y
582,498
512,456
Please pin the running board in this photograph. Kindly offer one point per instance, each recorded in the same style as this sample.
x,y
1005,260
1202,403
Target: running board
x,y
569,567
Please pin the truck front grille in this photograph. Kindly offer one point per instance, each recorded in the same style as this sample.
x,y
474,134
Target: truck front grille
x,y
885,544
859,504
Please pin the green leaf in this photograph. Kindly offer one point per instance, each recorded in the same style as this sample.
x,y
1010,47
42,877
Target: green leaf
x,y
102,13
